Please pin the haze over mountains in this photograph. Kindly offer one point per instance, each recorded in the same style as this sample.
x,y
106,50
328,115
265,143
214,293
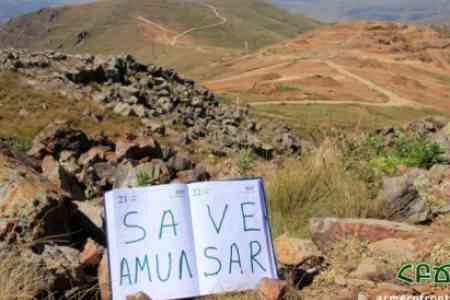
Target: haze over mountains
x,y
389,10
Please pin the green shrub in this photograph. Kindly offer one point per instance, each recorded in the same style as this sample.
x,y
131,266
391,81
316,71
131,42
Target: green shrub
x,y
245,161
18,144
411,150
284,88
144,179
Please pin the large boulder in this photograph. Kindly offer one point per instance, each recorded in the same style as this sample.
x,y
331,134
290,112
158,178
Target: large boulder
x,y
59,136
133,147
394,243
57,175
401,199
442,138
325,232
270,289
31,207
293,251
40,270
418,196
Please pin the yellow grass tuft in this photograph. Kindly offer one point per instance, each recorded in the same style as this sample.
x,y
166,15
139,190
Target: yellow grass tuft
x,y
317,185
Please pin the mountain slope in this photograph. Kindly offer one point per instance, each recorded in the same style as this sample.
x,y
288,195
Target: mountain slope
x,y
13,8
390,10
354,73
148,29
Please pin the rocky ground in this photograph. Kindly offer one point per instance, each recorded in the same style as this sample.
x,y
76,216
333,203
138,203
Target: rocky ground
x,y
51,197
158,97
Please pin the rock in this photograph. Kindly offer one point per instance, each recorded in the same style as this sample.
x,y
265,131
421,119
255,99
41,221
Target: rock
x,y
270,289
123,109
434,188
69,161
92,210
103,277
442,138
92,253
386,289
32,207
94,155
59,136
147,92
134,147
24,113
395,250
354,283
55,268
97,178
58,176
371,269
139,296
154,126
154,172
292,251
198,174
139,110
402,200
428,124
326,231
180,162
285,140
362,297
418,196
265,151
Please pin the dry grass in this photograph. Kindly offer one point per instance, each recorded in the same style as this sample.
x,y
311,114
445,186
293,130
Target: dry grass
x,y
22,278
344,258
18,280
17,95
318,185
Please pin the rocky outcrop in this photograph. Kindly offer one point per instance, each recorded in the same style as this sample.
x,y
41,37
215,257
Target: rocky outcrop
x,y
42,229
326,232
418,196
31,207
270,289
149,93
293,252
86,170
58,137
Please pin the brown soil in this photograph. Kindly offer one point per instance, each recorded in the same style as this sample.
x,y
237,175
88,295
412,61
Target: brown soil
x,y
367,62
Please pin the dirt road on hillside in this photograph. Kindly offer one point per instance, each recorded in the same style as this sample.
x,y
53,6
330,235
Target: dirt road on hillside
x,y
394,100
175,36
167,33
214,9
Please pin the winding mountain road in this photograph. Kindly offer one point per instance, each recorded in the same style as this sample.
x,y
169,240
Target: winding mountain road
x,y
177,36
214,9
393,100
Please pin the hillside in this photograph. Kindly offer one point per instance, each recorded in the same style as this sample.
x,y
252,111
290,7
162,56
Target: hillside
x,y
389,10
13,8
347,74
346,212
175,32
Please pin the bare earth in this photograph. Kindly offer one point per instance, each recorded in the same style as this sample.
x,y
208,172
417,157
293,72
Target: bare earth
x,y
368,63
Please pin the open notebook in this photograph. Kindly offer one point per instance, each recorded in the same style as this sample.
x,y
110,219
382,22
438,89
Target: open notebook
x,y
186,240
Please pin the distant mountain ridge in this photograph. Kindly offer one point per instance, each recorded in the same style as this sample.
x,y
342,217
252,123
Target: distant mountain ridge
x,y
13,8
388,10
176,33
